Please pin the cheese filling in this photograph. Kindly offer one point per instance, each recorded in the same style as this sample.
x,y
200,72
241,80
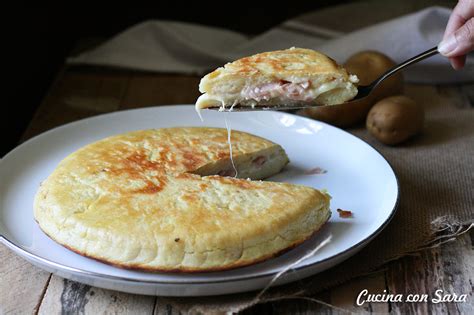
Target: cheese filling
x,y
304,91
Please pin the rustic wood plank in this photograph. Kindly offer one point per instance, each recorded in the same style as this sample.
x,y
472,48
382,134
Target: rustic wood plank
x,y
296,305
151,89
448,268
458,270
102,94
22,285
165,309
76,95
80,94
416,275
344,296
69,297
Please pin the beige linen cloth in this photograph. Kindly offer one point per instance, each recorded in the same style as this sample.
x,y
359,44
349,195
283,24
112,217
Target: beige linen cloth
x,y
164,46
435,170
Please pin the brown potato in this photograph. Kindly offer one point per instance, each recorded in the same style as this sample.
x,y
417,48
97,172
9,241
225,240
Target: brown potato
x,y
368,66
395,119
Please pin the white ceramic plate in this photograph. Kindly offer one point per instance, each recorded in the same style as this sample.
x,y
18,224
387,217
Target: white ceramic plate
x,y
358,178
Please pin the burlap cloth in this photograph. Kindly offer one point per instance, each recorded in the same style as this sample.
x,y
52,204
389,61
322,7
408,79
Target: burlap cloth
x,y
436,176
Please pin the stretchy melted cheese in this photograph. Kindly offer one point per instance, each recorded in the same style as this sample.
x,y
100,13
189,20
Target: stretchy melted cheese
x,y
158,200
288,77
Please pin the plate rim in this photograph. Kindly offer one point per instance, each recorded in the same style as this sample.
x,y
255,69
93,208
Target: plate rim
x,y
83,272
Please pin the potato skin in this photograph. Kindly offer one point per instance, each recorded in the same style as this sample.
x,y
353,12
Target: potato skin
x,y
368,66
395,119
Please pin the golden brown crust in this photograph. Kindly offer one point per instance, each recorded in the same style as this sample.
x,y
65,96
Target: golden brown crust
x,y
136,200
288,62
196,270
288,77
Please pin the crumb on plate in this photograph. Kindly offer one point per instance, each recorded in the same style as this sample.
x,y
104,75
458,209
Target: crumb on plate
x,y
345,213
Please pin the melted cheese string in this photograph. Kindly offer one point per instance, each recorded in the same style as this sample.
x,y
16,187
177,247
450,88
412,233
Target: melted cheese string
x,y
229,131
198,111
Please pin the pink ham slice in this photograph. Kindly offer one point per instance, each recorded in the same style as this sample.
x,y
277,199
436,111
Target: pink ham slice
x,y
283,89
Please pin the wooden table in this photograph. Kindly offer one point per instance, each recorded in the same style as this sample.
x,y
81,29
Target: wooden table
x,y
83,92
